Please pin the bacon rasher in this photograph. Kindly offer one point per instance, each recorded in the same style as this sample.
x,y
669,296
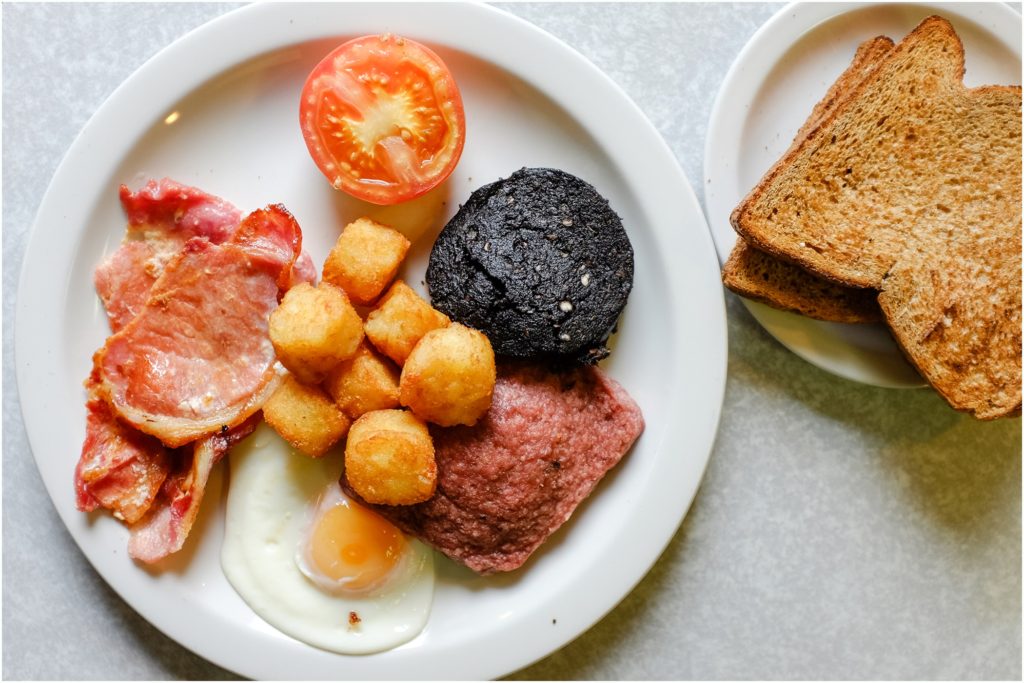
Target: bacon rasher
x,y
166,527
188,294
162,216
197,359
121,469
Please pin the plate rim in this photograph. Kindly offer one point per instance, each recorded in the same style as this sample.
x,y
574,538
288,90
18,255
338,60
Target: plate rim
x,y
777,38
624,575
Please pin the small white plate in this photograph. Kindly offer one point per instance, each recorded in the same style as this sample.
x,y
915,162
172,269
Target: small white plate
x,y
767,95
218,109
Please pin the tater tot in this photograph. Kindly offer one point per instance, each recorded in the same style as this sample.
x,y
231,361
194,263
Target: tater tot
x,y
449,377
389,458
401,317
366,381
365,259
305,417
313,329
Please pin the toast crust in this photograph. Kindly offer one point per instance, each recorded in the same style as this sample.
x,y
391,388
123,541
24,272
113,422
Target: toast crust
x,y
912,185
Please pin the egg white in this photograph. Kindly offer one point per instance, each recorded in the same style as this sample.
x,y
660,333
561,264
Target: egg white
x,y
271,494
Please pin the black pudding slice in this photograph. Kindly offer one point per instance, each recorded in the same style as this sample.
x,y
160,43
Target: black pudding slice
x,y
538,262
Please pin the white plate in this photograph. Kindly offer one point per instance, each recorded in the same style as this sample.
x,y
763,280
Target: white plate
x,y
218,109
771,88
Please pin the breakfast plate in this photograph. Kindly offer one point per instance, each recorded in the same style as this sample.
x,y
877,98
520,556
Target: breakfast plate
x,y
218,110
767,94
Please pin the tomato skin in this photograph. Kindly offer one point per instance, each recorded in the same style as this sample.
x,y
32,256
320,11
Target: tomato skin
x,y
383,119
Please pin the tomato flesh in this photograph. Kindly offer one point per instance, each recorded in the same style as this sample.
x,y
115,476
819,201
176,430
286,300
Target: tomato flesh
x,y
383,119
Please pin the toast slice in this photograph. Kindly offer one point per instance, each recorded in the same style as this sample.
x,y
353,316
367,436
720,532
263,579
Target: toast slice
x,y
756,275
912,185
761,277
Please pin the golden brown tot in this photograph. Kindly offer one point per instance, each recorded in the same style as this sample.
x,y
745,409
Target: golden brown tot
x,y
305,417
401,317
365,259
313,329
389,458
449,377
366,381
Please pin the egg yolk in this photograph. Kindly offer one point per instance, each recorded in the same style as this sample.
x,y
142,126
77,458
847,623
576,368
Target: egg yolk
x,y
354,547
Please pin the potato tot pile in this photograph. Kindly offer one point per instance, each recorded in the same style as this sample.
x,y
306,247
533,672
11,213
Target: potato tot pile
x,y
405,365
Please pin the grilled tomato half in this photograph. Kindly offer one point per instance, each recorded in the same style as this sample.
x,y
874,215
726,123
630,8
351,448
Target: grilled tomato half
x,y
383,119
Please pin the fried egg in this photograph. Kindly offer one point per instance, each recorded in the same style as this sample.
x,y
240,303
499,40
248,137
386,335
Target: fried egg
x,y
313,563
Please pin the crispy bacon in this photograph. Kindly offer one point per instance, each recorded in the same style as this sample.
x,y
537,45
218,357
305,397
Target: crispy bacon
x,y
198,356
162,216
168,523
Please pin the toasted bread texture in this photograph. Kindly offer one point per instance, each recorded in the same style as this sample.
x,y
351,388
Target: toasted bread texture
x,y
761,277
756,275
912,185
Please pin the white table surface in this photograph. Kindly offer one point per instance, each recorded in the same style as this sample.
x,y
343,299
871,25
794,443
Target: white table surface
x,y
841,531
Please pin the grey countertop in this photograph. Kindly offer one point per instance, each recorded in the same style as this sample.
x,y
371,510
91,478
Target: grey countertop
x,y
841,530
